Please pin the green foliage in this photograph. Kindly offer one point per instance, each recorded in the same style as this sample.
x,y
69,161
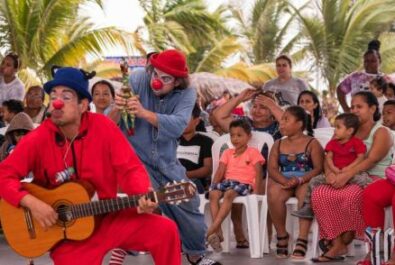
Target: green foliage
x,y
265,29
189,26
49,32
336,34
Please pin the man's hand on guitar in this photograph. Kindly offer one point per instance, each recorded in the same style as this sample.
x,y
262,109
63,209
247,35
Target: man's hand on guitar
x,y
42,212
146,206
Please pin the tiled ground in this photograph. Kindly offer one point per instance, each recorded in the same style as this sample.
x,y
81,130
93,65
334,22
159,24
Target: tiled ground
x,y
236,257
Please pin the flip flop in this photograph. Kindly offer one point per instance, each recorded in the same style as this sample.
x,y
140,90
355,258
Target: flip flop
x,y
215,242
327,259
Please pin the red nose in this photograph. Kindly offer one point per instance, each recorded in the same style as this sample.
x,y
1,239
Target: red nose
x,y
157,84
58,104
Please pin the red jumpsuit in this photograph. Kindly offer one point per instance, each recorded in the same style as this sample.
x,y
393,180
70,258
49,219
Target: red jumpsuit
x,y
101,155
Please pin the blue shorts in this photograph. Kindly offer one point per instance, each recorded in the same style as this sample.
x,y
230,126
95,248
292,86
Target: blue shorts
x,y
241,188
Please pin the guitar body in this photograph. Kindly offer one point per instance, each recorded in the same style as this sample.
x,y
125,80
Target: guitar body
x,y
32,240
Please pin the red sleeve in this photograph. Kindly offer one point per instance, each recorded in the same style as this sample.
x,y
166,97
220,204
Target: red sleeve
x,y
15,167
359,146
330,146
130,172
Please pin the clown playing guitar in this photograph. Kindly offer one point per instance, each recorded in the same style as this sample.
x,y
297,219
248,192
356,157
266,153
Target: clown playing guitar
x,y
78,145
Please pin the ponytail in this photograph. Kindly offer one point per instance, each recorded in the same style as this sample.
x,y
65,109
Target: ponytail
x,y
301,115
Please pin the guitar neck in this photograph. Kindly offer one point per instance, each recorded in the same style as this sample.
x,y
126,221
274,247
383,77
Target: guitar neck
x,y
108,206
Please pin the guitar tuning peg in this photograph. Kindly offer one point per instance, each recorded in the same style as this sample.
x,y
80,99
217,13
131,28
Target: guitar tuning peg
x,y
186,200
174,182
178,203
183,181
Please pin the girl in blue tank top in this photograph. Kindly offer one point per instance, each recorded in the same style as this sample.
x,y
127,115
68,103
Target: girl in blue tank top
x,y
293,161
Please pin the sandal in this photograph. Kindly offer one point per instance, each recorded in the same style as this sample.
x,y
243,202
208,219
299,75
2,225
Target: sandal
x,y
215,242
300,249
324,245
242,244
327,259
282,249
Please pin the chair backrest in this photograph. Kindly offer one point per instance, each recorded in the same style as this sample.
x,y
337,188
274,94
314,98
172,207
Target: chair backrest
x,y
258,140
324,135
212,134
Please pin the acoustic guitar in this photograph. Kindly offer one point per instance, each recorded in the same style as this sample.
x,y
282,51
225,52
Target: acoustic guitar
x,y
76,214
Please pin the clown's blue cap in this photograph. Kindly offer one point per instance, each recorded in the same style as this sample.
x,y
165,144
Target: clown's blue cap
x,y
73,78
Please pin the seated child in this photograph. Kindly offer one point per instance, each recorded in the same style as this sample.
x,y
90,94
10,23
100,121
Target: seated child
x,y
389,114
390,91
19,126
194,153
239,171
378,86
344,151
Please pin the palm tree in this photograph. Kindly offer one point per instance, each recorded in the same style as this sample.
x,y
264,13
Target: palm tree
x,y
336,33
190,27
255,75
51,32
387,51
265,29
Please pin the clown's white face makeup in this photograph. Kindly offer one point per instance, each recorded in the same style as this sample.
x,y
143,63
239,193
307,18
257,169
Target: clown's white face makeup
x,y
168,81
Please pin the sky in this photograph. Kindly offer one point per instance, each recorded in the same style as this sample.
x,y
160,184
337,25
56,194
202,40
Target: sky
x,y
128,15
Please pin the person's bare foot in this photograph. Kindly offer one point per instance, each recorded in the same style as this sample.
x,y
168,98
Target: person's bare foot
x,y
337,250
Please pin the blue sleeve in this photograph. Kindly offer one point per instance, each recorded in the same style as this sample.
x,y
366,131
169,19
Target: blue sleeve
x,y
173,125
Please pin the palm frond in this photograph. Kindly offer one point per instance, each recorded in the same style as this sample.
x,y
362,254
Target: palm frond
x,y
215,57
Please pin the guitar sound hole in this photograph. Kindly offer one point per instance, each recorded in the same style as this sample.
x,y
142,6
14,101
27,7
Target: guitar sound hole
x,y
65,216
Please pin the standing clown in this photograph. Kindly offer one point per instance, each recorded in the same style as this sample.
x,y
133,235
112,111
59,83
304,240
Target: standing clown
x,y
162,109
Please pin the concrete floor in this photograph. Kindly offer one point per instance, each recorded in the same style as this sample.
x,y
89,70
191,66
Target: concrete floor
x,y
236,257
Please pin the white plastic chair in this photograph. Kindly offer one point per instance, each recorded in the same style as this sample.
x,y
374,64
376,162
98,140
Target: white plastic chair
x,y
212,134
323,135
250,202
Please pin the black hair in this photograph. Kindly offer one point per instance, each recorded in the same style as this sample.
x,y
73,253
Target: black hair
x,y
242,123
41,90
390,85
15,59
350,120
317,113
13,105
371,100
301,115
380,83
286,58
196,111
104,82
374,48
390,102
